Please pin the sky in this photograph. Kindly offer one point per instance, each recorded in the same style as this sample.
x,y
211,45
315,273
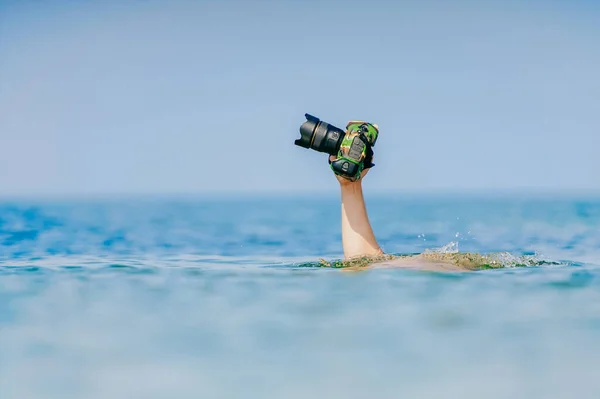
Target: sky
x,y
180,97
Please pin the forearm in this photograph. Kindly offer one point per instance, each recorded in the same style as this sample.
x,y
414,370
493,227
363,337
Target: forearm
x,y
357,235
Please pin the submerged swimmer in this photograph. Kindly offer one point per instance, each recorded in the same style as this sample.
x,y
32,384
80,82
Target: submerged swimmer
x,y
362,249
351,157
358,239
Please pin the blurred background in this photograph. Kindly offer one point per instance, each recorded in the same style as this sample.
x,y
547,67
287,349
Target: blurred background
x,y
178,97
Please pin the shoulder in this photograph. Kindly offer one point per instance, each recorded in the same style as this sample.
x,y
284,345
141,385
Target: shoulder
x,y
420,262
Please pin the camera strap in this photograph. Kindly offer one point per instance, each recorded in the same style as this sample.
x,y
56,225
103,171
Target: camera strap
x,y
368,161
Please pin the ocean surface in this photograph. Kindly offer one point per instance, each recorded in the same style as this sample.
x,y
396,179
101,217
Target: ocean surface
x,y
224,298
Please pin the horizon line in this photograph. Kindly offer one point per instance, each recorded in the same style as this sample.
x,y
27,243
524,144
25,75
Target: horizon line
x,y
302,193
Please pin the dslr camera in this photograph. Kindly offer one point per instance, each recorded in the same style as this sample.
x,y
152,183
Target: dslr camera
x,y
352,147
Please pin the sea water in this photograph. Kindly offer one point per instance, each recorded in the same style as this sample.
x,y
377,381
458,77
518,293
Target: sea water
x,y
224,298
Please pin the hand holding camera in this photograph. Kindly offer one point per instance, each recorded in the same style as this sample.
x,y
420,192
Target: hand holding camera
x,y
350,151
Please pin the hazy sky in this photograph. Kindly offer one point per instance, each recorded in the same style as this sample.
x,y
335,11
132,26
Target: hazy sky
x,y
204,96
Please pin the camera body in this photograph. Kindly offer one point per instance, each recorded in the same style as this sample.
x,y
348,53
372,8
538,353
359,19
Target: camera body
x,y
352,147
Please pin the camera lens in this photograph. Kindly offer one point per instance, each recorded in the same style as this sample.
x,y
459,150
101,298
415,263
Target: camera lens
x,y
307,130
320,136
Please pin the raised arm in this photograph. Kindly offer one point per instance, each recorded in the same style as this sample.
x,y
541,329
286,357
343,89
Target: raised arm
x,y
357,235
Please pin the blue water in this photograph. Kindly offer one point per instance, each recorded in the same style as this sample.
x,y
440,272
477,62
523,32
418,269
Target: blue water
x,y
221,298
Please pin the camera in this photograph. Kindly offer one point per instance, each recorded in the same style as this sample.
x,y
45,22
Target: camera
x,y
351,147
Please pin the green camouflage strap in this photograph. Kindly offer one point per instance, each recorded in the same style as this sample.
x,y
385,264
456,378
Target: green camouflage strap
x,y
356,153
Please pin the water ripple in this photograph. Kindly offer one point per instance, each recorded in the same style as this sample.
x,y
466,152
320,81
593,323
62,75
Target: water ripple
x,y
210,298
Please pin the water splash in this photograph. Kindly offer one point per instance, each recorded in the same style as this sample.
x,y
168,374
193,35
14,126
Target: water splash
x,y
448,253
450,248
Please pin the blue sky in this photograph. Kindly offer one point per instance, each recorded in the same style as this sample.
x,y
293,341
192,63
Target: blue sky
x,y
102,97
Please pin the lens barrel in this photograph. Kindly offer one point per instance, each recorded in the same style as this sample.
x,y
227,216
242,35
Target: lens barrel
x,y
320,136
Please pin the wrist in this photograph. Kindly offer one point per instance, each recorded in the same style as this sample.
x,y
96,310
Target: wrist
x,y
348,186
